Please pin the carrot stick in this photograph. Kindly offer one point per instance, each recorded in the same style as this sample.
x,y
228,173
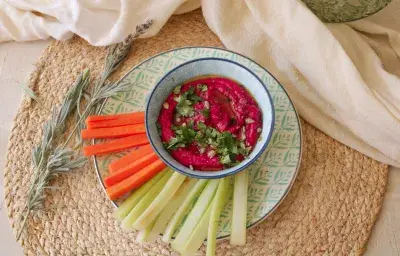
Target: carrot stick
x,y
131,157
113,132
114,123
130,169
135,180
97,118
116,145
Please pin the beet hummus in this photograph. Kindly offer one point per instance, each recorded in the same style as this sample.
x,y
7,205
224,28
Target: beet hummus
x,y
210,123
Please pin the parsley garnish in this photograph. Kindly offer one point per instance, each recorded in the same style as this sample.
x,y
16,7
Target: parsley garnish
x,y
177,89
186,101
184,106
194,98
184,135
205,112
202,87
225,159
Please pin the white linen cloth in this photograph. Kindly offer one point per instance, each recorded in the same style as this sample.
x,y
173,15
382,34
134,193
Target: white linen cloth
x,y
343,78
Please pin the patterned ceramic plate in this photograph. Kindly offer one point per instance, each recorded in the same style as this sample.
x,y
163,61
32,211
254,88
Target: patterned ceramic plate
x,y
271,176
345,10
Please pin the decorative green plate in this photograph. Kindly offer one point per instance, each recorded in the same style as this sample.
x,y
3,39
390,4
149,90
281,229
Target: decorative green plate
x,y
271,176
345,10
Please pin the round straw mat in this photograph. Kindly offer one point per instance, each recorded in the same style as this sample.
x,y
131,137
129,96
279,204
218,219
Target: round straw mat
x,y
330,210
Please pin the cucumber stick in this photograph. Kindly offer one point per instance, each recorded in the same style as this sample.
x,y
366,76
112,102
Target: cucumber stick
x,y
127,223
221,197
239,210
177,218
122,211
195,215
166,214
197,237
158,204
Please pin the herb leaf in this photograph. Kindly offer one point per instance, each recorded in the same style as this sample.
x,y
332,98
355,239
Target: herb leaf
x,y
184,106
202,87
205,112
177,89
225,160
186,101
194,98
184,135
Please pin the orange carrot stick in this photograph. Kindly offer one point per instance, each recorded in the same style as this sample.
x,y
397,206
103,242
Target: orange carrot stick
x,y
97,118
114,123
135,180
131,157
116,145
130,169
113,132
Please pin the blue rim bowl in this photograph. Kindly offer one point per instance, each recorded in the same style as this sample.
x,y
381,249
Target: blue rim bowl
x,y
203,67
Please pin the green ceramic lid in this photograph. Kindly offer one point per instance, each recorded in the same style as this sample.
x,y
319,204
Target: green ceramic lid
x,y
345,10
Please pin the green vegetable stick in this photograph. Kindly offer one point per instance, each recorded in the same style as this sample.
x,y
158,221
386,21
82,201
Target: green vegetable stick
x,y
195,215
130,202
127,223
143,235
158,204
197,237
221,197
176,219
169,210
239,210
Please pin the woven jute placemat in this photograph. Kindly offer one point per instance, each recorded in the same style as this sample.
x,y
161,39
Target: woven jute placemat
x,y
329,211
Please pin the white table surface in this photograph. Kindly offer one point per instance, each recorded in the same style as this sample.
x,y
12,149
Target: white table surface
x,y
16,61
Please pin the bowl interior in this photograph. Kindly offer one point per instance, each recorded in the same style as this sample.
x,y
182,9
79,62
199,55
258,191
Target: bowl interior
x,y
209,67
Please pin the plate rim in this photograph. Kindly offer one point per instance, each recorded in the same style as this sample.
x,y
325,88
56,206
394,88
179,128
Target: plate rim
x,y
284,90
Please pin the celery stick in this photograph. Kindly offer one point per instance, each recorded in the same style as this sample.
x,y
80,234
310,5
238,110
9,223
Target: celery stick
x,y
221,197
198,235
127,223
177,218
143,235
130,202
158,204
239,210
195,215
169,210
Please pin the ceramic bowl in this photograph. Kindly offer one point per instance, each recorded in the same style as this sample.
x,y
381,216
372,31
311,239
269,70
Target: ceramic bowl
x,y
204,67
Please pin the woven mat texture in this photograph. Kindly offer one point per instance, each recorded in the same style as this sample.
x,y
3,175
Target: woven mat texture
x,y
330,210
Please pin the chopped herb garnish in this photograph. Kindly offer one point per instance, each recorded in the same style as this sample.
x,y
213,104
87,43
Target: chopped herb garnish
x,y
184,106
191,123
188,134
177,89
201,126
225,159
205,112
194,98
184,135
202,87
186,101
